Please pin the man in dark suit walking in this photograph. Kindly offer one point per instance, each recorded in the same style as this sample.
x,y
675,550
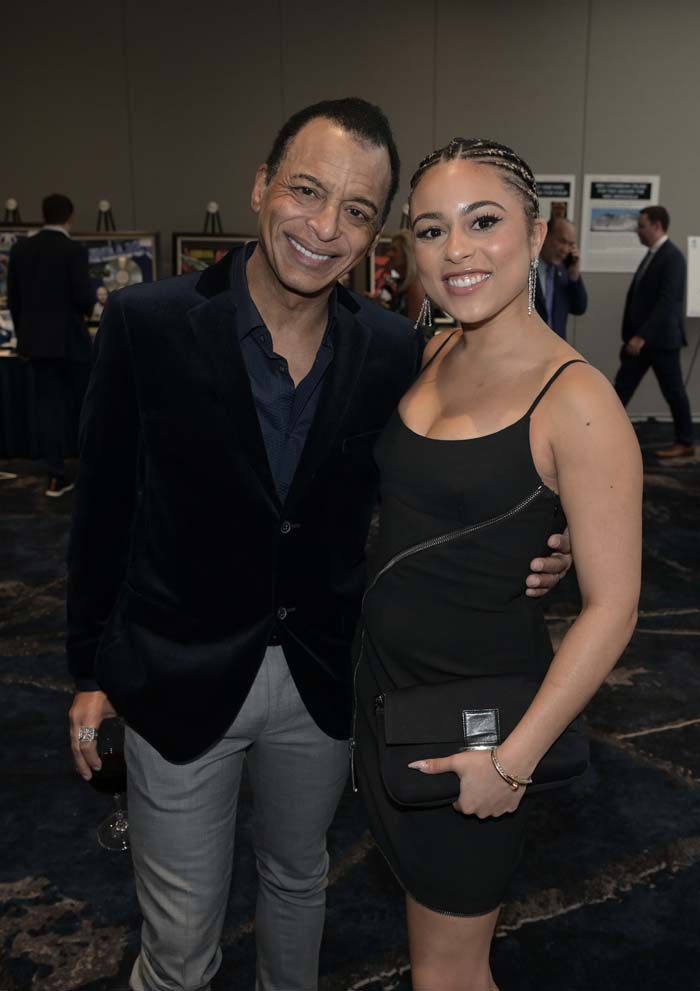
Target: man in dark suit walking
x,y
653,329
560,289
216,563
49,294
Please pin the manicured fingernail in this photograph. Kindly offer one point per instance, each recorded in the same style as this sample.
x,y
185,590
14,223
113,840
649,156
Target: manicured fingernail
x,y
536,565
419,765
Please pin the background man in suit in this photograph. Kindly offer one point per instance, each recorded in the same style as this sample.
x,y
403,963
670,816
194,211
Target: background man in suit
x,y
216,565
49,294
560,289
653,329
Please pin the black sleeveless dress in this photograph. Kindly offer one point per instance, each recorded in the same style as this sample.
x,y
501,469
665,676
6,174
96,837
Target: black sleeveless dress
x,y
449,612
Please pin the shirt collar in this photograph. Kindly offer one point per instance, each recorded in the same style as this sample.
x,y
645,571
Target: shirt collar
x,y
655,247
247,314
55,227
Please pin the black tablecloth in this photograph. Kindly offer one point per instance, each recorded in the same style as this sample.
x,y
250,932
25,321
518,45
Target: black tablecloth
x,y
18,426
19,436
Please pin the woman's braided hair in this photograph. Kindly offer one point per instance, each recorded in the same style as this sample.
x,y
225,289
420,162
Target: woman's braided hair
x,y
516,172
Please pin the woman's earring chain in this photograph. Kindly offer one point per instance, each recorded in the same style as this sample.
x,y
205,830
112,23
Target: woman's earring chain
x,y
532,286
425,317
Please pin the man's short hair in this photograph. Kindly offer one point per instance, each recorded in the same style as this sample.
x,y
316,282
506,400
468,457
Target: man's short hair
x,y
658,215
362,119
57,208
553,221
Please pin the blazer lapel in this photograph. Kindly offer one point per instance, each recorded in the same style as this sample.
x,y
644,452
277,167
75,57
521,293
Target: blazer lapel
x,y
214,324
351,340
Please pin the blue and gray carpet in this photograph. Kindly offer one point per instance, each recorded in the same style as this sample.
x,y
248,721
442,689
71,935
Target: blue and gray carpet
x,y
607,897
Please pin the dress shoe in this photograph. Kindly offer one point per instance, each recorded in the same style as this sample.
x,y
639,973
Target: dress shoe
x,y
676,451
58,486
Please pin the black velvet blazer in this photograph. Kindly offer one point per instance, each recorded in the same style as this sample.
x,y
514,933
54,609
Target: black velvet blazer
x,y
182,561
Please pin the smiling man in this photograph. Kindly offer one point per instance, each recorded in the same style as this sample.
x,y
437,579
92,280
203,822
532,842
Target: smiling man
x,y
216,564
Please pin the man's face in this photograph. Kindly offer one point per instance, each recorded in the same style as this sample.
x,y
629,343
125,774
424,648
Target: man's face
x,y
560,241
647,232
320,213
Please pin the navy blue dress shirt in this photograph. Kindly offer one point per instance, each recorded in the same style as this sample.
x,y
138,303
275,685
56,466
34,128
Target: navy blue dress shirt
x,y
285,412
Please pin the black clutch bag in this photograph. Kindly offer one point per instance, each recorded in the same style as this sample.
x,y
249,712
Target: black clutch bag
x,y
476,713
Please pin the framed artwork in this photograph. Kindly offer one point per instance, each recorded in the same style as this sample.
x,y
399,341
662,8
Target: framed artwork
x,y
378,266
9,235
195,252
117,259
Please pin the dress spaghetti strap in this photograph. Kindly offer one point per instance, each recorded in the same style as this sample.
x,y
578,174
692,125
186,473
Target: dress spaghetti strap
x,y
550,381
433,357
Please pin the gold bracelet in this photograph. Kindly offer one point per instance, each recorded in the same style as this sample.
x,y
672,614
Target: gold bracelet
x,y
509,779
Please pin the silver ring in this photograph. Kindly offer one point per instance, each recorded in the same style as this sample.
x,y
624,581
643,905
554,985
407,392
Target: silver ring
x,y
87,734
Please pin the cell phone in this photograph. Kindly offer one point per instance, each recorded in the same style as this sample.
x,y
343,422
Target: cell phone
x,y
569,260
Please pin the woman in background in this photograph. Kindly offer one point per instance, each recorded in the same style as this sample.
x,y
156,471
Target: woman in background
x,y
402,260
505,420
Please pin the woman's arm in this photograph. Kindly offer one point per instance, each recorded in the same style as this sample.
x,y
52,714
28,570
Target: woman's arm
x,y
599,477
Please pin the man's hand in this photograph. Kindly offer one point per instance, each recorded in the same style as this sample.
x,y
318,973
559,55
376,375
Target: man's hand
x,y
635,345
573,269
88,709
549,571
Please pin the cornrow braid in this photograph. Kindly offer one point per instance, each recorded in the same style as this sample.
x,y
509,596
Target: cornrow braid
x,y
516,172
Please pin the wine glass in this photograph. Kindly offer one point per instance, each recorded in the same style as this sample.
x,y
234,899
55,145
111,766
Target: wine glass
x,y
113,833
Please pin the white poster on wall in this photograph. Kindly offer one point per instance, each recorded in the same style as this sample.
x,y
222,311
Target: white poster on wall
x,y
693,303
611,205
557,194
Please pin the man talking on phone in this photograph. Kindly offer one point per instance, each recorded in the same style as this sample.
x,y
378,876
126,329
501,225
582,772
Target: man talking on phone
x,y
560,289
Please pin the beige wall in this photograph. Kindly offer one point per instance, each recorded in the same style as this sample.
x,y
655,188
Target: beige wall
x,y
161,108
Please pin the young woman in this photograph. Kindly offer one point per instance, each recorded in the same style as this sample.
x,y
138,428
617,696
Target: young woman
x,y
505,421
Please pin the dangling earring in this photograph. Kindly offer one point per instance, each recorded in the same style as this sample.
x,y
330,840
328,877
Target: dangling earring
x,y
532,285
425,317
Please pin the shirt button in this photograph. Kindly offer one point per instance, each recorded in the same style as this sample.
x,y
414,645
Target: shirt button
x,y
281,613
286,527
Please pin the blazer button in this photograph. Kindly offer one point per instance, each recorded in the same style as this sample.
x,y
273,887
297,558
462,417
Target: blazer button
x,y
281,613
286,527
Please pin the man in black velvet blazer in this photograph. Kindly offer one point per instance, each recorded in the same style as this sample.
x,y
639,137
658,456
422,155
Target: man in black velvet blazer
x,y
559,290
216,563
49,295
653,330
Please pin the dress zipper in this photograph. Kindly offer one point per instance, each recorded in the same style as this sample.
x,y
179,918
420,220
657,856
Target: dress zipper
x,y
425,545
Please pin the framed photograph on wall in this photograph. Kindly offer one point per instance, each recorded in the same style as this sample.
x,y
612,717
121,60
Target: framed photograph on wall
x,y
378,266
117,259
10,234
195,252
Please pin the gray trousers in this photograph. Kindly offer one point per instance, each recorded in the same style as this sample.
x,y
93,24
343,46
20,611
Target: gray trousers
x,y
182,819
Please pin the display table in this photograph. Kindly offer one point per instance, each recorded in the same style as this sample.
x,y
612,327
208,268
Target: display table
x,y
18,425
19,432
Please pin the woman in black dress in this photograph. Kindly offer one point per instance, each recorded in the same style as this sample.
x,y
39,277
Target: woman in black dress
x,y
504,415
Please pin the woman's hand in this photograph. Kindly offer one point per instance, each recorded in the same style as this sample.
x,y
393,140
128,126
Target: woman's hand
x,y
482,791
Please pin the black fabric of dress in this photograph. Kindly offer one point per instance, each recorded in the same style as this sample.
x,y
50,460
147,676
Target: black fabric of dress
x,y
450,612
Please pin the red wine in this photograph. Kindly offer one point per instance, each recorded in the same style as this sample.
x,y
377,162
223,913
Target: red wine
x,y
111,780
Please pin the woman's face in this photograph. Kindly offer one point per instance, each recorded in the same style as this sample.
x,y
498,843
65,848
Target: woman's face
x,y
473,249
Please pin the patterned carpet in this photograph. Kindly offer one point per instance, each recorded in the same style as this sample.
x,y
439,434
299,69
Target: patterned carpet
x,y
608,894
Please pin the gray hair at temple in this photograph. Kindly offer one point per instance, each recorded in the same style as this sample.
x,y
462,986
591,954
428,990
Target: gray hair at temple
x,y
514,170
